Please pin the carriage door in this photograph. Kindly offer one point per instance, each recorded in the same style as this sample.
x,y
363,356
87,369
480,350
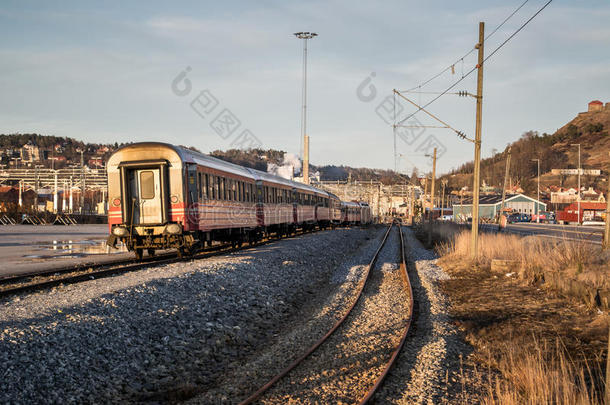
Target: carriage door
x,y
145,189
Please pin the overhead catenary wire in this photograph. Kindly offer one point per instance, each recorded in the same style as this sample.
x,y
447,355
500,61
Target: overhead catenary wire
x,y
452,66
476,67
459,133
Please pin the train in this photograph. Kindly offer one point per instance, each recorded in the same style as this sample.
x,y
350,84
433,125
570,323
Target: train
x,y
163,196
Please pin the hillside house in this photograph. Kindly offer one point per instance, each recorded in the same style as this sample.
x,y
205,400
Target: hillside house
x,y
595,105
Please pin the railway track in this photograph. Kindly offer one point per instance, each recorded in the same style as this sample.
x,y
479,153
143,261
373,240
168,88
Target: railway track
x,y
354,375
75,274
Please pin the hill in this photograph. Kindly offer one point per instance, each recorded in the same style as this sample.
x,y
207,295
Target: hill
x,y
590,130
260,159
54,150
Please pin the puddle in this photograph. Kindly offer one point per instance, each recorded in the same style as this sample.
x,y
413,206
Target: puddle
x,y
75,249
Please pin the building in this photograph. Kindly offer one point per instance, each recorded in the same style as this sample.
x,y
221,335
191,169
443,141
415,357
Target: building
x,y
589,211
596,105
30,153
490,206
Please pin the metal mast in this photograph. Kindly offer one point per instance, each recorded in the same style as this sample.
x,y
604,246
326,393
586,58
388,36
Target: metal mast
x,y
305,36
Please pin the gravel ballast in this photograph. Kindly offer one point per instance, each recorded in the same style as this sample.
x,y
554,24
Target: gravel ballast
x,y
168,332
345,367
429,368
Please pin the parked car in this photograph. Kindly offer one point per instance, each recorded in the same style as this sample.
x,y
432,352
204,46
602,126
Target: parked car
x,y
519,217
547,217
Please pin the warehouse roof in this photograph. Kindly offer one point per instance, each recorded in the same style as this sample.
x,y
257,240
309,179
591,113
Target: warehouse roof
x,y
494,199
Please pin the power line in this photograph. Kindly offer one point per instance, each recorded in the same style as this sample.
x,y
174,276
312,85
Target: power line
x,y
476,67
469,52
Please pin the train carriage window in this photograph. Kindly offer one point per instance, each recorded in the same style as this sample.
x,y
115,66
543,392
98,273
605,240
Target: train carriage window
x,y
221,189
200,185
247,190
240,186
208,185
206,193
252,192
147,185
212,185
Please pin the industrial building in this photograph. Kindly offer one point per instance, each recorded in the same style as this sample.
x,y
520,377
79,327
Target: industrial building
x,y
491,205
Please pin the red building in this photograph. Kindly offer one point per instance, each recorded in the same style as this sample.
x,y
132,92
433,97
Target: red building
x,y
589,211
596,105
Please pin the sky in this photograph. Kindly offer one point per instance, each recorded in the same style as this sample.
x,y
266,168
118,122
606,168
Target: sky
x,y
218,75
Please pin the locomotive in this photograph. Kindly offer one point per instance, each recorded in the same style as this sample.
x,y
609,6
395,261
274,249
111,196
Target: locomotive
x,y
162,196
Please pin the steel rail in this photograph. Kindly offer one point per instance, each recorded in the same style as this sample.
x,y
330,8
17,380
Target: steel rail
x,y
409,290
256,395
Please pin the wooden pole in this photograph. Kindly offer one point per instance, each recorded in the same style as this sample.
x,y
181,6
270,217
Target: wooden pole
x,y
506,173
431,215
477,148
606,244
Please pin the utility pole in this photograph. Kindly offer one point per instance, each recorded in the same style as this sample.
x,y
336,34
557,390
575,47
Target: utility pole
x,y
579,170
506,173
607,229
82,183
36,188
425,196
444,184
412,205
477,147
537,210
431,215
433,180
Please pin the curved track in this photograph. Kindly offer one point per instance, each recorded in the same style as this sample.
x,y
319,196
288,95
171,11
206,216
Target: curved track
x,y
379,380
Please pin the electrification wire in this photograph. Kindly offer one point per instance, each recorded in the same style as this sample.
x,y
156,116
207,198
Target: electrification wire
x,y
476,67
469,52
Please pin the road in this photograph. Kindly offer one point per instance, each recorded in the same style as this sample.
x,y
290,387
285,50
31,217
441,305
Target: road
x,y
591,234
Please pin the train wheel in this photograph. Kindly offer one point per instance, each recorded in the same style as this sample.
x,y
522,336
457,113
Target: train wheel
x,y
139,253
151,252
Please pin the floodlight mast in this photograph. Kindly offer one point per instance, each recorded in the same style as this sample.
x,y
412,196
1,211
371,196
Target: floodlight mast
x,y
303,142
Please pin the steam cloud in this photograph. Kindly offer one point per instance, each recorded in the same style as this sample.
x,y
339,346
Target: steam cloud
x,y
291,165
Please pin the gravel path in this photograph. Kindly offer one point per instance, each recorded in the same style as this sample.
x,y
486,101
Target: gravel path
x,y
429,369
345,367
168,332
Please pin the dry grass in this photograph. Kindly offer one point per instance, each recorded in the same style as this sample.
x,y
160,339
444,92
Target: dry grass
x,y
536,257
550,299
543,376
